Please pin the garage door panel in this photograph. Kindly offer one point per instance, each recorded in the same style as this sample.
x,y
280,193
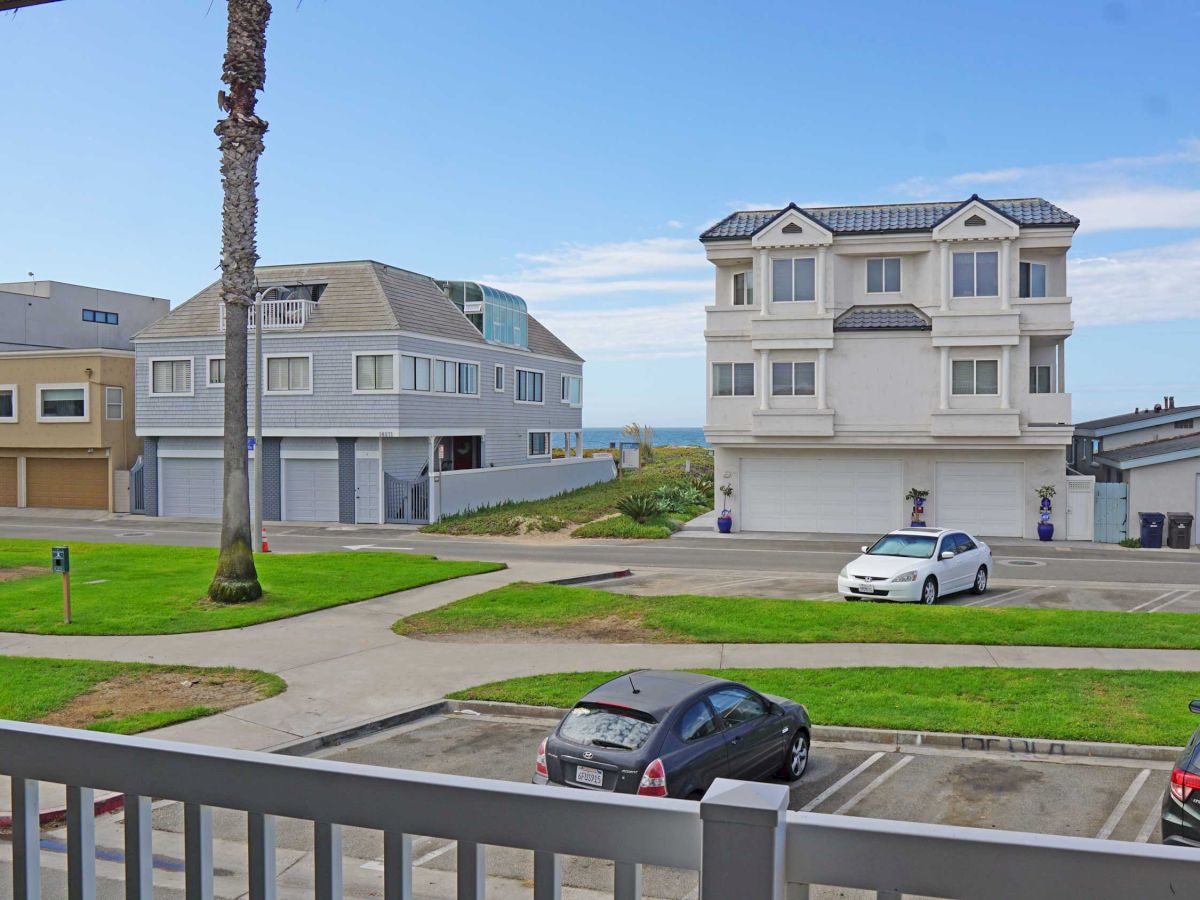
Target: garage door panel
x,y
192,487
821,494
8,481
310,490
982,498
63,483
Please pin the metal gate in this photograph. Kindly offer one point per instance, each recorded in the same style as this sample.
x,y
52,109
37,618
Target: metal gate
x,y
1112,512
137,487
406,500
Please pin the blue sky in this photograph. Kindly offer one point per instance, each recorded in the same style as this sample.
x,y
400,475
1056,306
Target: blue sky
x,y
573,152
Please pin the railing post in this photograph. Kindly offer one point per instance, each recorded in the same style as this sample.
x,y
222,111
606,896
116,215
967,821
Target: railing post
x,y
627,881
81,843
397,866
327,860
198,851
260,851
139,853
547,876
27,840
472,870
743,840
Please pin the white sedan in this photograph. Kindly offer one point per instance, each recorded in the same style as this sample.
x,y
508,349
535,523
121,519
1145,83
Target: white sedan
x,y
918,564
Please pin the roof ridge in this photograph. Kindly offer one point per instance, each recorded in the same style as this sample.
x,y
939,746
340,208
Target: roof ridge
x,y
737,212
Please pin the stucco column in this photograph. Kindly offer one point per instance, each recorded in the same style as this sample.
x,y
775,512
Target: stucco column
x,y
764,279
944,268
1005,376
944,379
579,443
1005,256
1062,365
764,379
822,400
434,511
821,270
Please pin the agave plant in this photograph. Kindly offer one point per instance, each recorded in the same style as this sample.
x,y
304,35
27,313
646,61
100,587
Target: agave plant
x,y
639,507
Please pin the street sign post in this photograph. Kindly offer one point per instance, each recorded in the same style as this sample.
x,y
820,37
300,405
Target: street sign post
x,y
60,561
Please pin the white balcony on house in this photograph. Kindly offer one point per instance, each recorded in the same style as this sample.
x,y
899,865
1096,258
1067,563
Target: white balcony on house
x,y
1044,315
291,313
1047,409
776,422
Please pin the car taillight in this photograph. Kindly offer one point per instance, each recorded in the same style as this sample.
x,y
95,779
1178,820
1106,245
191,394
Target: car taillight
x,y
1183,783
540,765
654,781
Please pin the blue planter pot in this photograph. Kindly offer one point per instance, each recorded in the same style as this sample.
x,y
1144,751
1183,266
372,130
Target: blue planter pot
x,y
724,524
1045,531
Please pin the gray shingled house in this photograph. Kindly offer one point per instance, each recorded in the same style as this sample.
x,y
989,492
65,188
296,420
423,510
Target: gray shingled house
x,y
376,378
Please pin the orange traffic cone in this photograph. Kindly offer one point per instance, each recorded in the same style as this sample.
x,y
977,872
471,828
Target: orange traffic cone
x,y
266,548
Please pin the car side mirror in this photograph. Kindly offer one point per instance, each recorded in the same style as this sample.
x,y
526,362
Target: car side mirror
x,y
777,710
947,554
1194,706
865,548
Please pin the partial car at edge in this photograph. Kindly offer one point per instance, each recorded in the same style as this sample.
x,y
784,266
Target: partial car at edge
x,y
1181,800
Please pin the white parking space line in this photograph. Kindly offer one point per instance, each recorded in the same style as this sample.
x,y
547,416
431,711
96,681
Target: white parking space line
x,y
1142,606
1014,594
1152,819
1175,599
376,865
842,782
879,779
1123,804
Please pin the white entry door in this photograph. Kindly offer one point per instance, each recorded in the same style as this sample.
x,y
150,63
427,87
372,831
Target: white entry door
x,y
310,490
984,499
191,486
824,494
366,490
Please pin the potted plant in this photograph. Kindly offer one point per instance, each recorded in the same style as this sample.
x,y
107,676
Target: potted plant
x,y
917,496
725,520
1045,528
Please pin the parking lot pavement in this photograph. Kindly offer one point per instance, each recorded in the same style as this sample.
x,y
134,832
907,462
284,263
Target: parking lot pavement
x,y
1114,799
1004,590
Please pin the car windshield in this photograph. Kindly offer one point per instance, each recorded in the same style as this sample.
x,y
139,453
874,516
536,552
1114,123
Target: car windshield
x,y
915,546
606,726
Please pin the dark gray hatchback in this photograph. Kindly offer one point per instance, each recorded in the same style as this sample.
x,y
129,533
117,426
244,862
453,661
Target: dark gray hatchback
x,y
669,734
1181,802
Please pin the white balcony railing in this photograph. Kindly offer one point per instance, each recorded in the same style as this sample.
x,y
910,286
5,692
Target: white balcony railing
x,y
276,314
739,837
1047,409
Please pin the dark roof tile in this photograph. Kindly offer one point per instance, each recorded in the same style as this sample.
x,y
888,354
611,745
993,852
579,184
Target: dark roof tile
x,y
882,318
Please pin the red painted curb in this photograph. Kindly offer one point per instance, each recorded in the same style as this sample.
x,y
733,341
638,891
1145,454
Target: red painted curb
x,y
106,804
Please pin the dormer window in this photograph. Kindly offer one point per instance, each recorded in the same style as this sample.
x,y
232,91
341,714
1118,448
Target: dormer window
x,y
1033,280
501,317
977,274
793,280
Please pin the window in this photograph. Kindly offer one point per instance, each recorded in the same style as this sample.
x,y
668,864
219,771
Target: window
x,y
539,443
1033,280
606,726
216,371
698,722
737,705
499,379
963,544
100,318
375,372
793,379
1182,423
1095,446
529,386
450,377
289,375
977,274
743,289
114,404
1039,380
62,403
414,373
975,376
793,280
733,379
572,390
171,377
883,275
8,403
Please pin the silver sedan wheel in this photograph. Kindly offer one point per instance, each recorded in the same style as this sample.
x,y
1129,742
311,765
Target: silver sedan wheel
x,y
981,580
929,592
798,756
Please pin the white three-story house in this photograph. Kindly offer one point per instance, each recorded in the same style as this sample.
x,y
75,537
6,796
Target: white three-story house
x,y
855,353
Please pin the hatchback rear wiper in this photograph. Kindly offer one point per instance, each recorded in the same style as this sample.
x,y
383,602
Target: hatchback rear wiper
x,y
600,742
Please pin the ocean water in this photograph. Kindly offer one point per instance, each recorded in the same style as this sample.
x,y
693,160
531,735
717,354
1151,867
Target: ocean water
x,y
663,437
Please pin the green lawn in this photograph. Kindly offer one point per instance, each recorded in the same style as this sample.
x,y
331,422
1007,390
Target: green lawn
x,y
582,506
1056,704
757,620
34,689
148,589
621,526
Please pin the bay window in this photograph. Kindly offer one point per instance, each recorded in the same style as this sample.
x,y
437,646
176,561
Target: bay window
x,y
793,379
977,274
975,376
793,280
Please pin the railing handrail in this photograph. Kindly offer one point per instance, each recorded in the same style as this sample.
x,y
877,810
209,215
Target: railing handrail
x,y
978,863
276,313
648,831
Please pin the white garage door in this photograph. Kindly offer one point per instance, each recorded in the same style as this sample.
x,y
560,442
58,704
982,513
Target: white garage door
x,y
310,490
791,493
982,498
191,487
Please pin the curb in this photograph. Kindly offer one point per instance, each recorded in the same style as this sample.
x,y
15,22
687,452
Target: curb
x,y
1037,747
103,804
588,579
305,746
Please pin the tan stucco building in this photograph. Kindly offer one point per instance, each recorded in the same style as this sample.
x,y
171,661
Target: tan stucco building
x,y
66,429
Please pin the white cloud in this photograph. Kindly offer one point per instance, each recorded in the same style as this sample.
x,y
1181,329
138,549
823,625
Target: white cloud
x,y
1147,207
558,290
674,223
1151,284
576,261
632,332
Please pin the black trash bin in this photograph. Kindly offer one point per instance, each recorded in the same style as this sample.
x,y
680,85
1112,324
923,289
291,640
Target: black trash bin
x,y
1152,528
1179,531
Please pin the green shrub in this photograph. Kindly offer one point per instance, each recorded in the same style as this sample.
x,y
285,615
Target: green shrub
x,y
657,527
638,507
677,497
1132,543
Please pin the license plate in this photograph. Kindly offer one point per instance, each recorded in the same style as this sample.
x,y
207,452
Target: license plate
x,y
589,776
866,589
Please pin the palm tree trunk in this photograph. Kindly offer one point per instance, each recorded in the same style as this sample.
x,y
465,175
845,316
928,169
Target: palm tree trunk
x,y
241,138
